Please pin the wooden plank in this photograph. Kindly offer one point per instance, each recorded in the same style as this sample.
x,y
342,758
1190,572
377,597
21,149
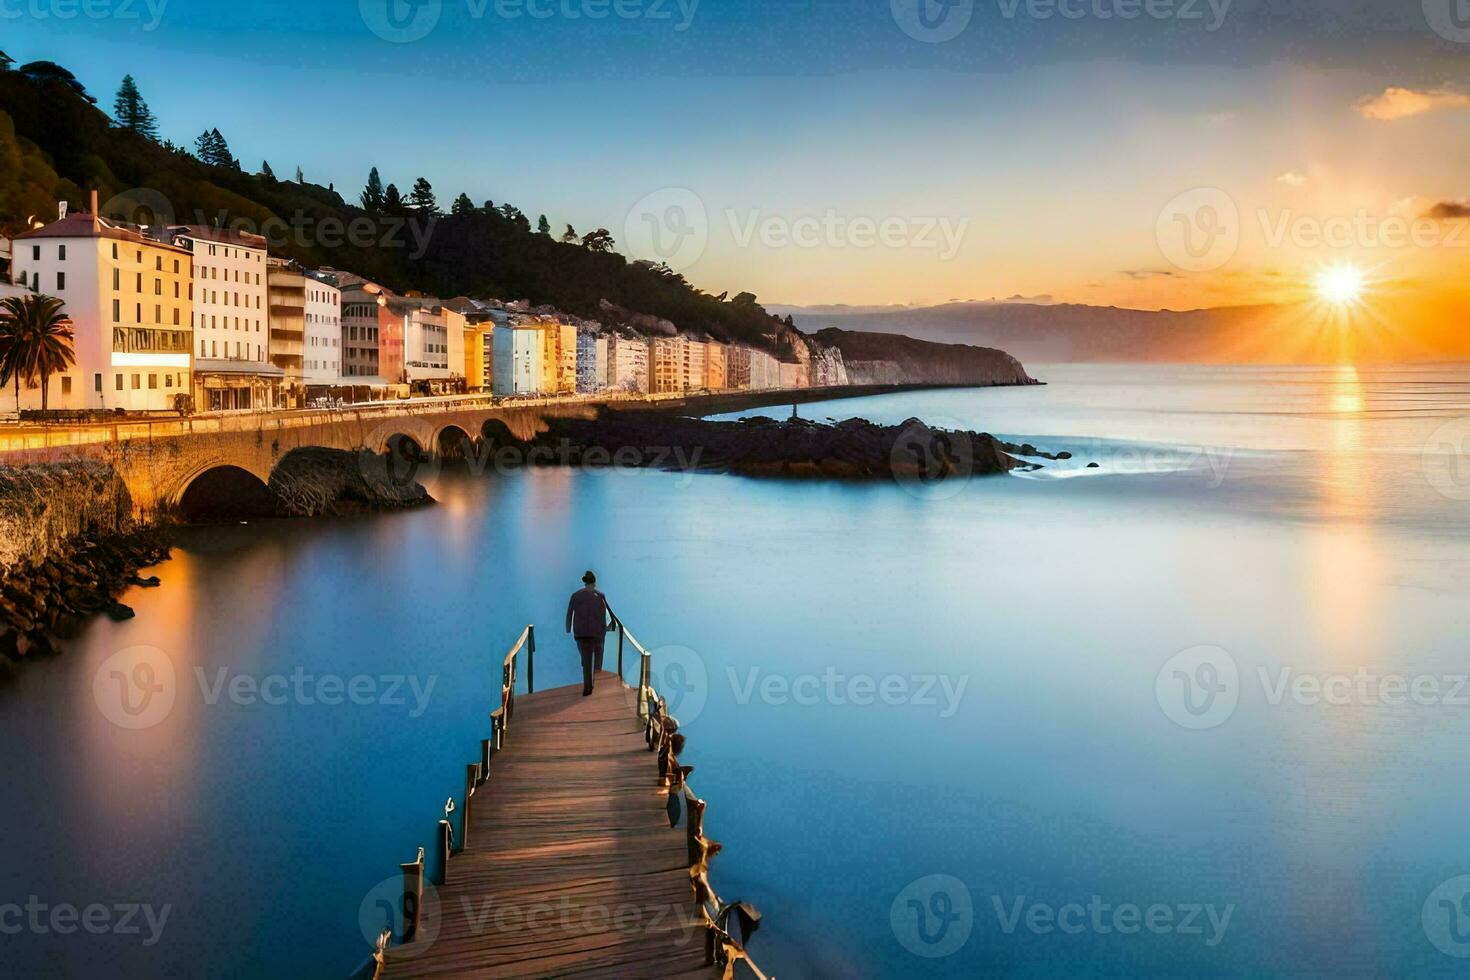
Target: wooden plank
x,y
572,869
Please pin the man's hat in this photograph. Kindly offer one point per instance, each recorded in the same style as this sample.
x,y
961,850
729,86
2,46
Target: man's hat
x,y
589,578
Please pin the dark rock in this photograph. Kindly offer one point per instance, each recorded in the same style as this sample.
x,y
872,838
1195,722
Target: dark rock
x,y
151,582
117,612
1093,466
37,643
1064,456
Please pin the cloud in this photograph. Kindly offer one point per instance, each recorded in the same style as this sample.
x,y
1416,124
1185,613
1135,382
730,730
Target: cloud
x,y
1292,179
1449,210
1150,273
1401,103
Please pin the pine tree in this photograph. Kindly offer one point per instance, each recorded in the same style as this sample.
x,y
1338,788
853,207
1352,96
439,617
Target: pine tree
x,y
212,149
266,171
543,227
5,61
132,113
570,235
462,206
372,194
300,177
422,197
489,205
393,201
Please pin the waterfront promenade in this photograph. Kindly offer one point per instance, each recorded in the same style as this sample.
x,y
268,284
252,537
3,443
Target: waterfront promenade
x,y
160,458
580,850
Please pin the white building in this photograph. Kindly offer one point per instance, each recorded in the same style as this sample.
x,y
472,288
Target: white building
x,y
765,372
128,300
627,364
433,344
323,362
232,366
520,354
591,362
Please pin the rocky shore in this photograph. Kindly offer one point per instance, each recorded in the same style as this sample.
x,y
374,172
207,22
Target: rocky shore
x,y
761,446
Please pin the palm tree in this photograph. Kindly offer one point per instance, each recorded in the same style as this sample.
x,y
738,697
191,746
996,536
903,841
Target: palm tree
x,y
37,341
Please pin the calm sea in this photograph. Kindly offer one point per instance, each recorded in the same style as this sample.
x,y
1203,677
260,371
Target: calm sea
x,y
1200,711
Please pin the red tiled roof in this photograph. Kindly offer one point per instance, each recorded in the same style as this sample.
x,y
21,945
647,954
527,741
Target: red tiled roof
x,y
82,226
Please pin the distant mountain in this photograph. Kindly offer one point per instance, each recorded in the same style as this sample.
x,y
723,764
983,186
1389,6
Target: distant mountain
x,y
1069,332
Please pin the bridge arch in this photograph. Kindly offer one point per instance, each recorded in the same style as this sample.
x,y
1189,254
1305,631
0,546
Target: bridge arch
x,y
453,441
223,491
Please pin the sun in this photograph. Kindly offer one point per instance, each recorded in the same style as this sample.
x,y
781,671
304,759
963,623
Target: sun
x,y
1341,285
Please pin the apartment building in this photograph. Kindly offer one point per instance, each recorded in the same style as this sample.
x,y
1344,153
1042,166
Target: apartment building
x,y
668,365
627,363
286,301
323,352
765,372
128,297
592,351
479,350
232,365
364,307
715,368
696,353
519,358
433,344
737,367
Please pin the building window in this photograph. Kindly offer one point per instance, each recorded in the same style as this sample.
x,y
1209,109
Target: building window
x,y
61,253
152,382
114,251
137,381
117,311
168,380
119,382
116,279
60,281
66,384
36,253
97,383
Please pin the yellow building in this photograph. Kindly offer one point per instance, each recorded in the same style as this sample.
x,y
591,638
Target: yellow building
x,y
479,355
715,372
130,300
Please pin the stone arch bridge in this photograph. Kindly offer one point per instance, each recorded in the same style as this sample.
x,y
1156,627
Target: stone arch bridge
x,y
159,460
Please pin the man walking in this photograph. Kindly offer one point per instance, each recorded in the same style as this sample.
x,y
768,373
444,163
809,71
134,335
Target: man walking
x,y
589,620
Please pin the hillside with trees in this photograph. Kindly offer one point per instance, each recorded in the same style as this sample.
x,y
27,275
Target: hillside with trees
x,y
56,144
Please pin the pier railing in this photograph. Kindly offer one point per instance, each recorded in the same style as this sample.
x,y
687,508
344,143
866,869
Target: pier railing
x,y
661,731
721,920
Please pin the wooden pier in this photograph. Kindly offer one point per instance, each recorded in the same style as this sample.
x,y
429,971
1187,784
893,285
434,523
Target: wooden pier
x,y
580,848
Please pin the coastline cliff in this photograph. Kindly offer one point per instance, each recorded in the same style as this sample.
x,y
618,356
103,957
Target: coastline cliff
x,y
887,358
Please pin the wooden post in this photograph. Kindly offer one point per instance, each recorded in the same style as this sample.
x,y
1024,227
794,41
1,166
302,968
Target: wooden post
x,y
695,823
531,659
445,835
484,759
497,739
413,896
471,779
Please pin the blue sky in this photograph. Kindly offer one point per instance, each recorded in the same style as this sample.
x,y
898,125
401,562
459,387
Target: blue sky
x,y
1053,142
